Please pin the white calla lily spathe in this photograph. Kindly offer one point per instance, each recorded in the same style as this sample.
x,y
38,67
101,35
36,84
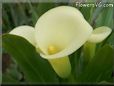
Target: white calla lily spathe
x,y
61,27
58,33
27,32
100,34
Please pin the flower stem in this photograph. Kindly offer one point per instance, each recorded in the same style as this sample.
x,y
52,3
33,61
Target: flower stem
x,y
61,66
89,51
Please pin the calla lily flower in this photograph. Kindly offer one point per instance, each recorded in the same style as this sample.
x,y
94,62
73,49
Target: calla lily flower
x,y
58,33
26,32
100,34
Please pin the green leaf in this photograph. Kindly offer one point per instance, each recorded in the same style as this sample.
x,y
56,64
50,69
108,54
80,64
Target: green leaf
x,y
87,12
110,40
39,9
76,63
100,67
35,68
105,18
6,78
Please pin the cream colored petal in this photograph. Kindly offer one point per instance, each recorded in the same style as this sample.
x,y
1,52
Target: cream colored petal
x,y
100,34
26,32
63,27
61,66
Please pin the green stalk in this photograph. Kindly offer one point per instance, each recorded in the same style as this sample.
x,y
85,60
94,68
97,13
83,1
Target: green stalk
x,y
88,51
